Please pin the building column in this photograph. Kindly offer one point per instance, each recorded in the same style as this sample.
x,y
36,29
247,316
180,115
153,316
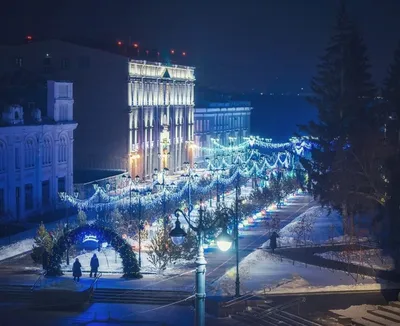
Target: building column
x,y
37,187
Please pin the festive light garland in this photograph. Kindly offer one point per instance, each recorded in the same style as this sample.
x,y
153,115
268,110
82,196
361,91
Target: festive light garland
x,y
255,165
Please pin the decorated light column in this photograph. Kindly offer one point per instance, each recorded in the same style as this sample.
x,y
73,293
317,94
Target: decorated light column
x,y
177,236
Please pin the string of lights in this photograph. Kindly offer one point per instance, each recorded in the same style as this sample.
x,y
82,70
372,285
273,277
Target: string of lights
x,y
248,166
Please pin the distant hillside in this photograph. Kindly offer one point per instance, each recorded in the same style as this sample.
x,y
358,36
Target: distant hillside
x,y
274,116
277,116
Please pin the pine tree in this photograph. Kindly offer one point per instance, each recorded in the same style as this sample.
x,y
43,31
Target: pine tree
x,y
81,218
391,94
343,92
43,243
391,90
159,253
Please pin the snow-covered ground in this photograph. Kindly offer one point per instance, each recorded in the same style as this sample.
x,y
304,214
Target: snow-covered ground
x,y
315,226
16,248
111,262
262,272
374,258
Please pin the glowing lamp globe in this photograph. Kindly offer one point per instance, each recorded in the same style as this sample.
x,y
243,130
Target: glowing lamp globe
x,y
177,234
224,241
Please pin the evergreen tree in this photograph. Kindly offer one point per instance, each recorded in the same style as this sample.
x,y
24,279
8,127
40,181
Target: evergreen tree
x,y
391,90
343,92
43,243
81,218
391,94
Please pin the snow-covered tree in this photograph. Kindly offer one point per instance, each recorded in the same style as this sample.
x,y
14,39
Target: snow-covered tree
x,y
81,218
43,243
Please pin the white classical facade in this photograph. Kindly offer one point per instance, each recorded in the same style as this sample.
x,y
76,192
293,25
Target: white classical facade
x,y
228,122
161,119
36,155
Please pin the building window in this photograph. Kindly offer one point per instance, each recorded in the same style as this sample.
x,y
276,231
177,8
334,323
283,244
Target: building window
x,y
47,152
2,202
62,150
61,184
84,62
45,192
3,157
63,109
19,62
28,196
17,159
65,64
29,153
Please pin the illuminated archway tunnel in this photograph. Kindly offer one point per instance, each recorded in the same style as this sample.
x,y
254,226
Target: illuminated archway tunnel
x,y
129,262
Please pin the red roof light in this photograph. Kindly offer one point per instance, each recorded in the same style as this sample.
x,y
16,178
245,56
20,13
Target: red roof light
x,y
135,45
184,53
29,37
172,51
119,43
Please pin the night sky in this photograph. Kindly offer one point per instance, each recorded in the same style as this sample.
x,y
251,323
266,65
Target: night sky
x,y
236,45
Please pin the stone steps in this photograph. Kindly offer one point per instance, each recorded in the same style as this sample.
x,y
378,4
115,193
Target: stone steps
x,y
388,315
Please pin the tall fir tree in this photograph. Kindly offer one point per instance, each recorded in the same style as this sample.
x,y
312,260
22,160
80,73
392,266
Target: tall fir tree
x,y
391,94
342,93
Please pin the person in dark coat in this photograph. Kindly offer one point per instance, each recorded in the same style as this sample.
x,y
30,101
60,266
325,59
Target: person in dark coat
x,y
94,265
272,241
76,270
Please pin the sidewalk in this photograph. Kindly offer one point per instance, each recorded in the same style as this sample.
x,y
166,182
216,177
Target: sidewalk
x,y
306,255
31,233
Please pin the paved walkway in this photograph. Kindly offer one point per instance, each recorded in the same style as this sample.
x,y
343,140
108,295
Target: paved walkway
x,y
218,263
307,255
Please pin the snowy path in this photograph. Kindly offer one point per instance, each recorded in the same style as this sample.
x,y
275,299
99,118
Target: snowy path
x,y
22,242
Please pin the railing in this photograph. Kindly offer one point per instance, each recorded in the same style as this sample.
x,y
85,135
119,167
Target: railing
x,y
238,300
39,279
94,283
281,307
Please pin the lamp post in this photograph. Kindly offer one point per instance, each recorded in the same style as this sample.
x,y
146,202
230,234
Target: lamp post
x,y
191,177
163,186
139,194
177,236
64,196
220,242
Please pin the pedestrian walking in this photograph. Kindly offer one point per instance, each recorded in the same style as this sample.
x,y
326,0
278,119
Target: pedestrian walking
x,y
272,241
94,265
76,270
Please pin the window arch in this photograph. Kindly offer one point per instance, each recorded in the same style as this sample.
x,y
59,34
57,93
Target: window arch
x,y
47,151
3,157
29,153
62,150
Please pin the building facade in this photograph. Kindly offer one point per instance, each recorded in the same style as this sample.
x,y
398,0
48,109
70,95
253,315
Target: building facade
x,y
133,115
36,154
228,122
161,118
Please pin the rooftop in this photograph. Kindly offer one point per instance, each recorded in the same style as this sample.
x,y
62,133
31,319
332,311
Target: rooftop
x,y
88,176
132,50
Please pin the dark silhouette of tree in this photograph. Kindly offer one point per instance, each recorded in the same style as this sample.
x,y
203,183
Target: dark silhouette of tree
x,y
391,95
343,93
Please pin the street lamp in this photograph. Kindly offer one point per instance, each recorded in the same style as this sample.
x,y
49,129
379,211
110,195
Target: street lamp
x,y
64,197
224,239
190,177
163,187
178,236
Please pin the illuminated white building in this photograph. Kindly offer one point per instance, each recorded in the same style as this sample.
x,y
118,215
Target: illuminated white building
x,y
227,122
133,115
36,154
161,118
